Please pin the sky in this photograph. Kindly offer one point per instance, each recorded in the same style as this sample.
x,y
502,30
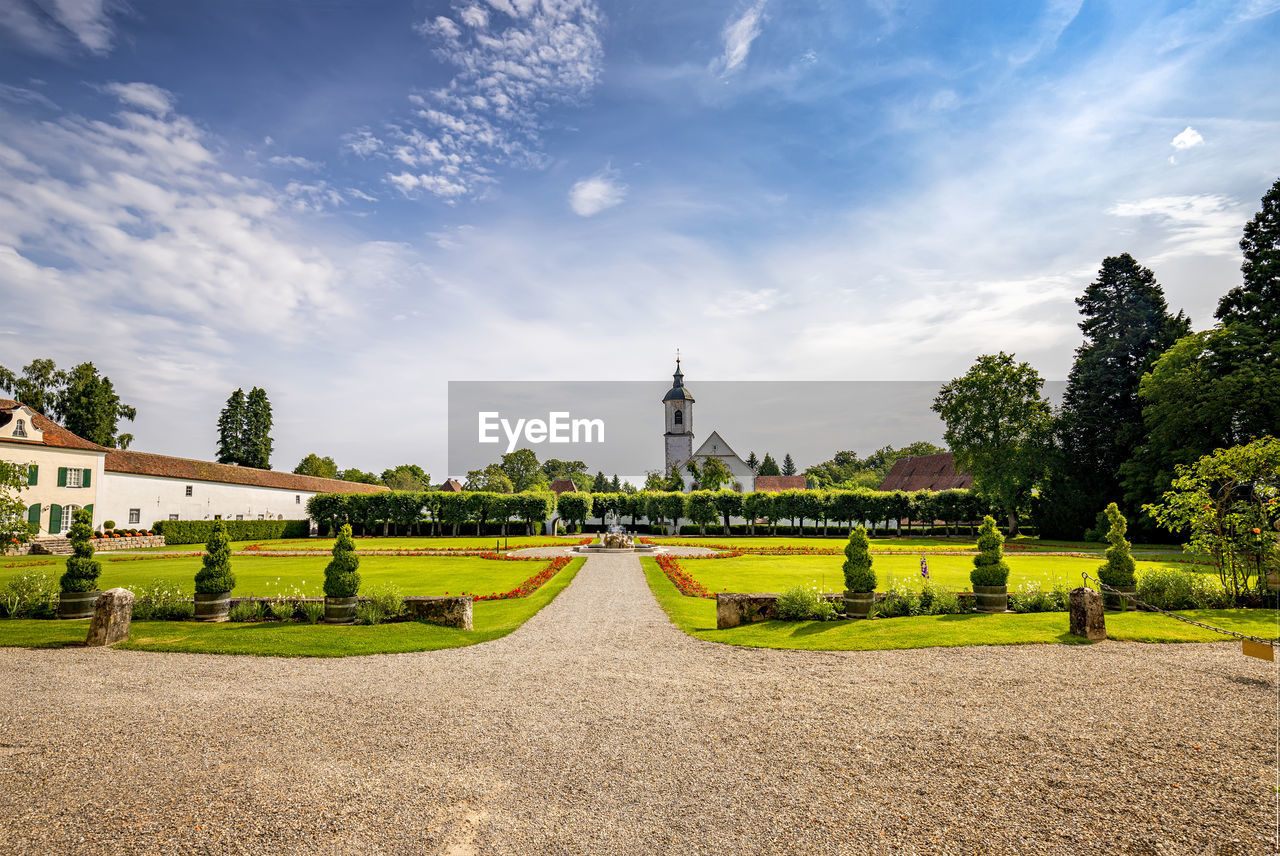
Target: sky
x,y
351,203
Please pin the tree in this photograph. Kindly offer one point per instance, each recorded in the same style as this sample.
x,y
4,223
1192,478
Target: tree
x,y
998,425
316,466
653,481
728,503
615,484
1118,571
1256,303
768,467
231,422
215,575
989,566
406,477
675,481
600,484
575,471
858,574
82,569
341,575
491,479
712,475
788,465
38,387
522,467
358,476
14,516
574,507
1127,326
753,462
257,426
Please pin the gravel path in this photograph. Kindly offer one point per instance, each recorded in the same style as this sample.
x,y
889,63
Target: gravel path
x,y
598,728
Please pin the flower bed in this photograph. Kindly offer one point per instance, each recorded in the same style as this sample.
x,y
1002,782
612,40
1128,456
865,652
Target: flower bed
x,y
530,585
687,585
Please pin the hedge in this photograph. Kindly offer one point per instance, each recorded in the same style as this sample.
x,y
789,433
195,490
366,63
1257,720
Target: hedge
x,y
198,531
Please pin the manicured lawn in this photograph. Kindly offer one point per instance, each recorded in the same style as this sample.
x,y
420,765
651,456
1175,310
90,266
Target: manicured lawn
x,y
776,573
697,617
492,619
268,576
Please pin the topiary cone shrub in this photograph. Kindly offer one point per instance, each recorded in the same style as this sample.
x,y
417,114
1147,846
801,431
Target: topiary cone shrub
x,y
82,569
858,575
1118,571
215,575
989,566
341,578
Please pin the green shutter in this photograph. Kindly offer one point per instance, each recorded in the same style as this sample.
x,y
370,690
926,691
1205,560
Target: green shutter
x,y
33,515
84,482
62,476
33,474
89,508
55,519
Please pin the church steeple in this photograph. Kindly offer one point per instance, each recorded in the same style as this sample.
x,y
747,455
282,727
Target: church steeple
x,y
677,405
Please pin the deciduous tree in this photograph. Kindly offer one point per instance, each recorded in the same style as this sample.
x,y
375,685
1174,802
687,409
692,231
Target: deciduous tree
x,y
316,466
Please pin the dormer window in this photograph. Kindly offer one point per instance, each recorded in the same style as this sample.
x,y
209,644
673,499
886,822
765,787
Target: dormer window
x,y
20,428
679,417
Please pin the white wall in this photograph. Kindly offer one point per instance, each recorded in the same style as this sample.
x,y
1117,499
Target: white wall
x,y
158,498
46,492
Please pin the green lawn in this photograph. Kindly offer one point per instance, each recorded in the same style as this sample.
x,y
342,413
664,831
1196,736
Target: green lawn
x,y
697,617
492,619
776,573
268,576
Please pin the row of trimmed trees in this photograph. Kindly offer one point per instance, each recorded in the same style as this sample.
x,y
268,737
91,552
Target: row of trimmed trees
x,y
440,513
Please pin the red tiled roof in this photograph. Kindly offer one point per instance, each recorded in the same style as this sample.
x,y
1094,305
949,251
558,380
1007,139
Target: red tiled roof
x,y
926,472
143,463
776,483
54,434
451,486
563,486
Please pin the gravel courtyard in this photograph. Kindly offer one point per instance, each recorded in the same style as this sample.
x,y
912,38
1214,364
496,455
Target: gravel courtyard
x,y
598,728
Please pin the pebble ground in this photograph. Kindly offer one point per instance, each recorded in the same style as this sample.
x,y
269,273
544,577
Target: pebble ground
x,y
599,728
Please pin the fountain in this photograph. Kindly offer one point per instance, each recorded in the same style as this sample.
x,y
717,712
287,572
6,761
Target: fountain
x,y
616,540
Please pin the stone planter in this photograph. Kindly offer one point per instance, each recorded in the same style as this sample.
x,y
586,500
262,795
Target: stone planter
x,y
340,610
77,604
213,606
991,598
1116,602
857,604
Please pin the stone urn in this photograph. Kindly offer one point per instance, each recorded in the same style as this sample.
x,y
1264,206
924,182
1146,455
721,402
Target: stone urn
x,y
212,606
991,598
1117,603
857,604
77,604
340,610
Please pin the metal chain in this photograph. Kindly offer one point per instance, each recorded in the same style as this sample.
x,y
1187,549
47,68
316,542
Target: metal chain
x,y
1183,618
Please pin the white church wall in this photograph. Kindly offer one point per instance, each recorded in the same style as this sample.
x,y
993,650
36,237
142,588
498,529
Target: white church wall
x,y
160,498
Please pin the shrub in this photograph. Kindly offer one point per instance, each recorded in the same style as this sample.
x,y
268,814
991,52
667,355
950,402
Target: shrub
x,y
1032,597
858,575
215,575
198,531
312,611
30,596
388,599
898,601
82,570
341,578
109,524
1174,588
247,610
989,566
281,610
1119,568
939,601
805,603
367,612
162,600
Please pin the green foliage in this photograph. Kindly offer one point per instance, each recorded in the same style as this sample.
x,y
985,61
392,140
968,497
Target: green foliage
x,y
1229,503
14,528
30,596
574,507
858,574
312,611
247,610
281,610
317,467
244,430
1256,303
805,603
358,476
999,426
768,467
38,387
1175,588
341,578
215,575
231,421
388,599
178,532
701,508
406,477
846,470
81,400
788,465
491,479
1119,568
161,600
82,569
1034,597
989,566
712,475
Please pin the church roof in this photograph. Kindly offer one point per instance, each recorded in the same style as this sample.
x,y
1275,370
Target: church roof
x,y
559,486
715,446
926,472
677,391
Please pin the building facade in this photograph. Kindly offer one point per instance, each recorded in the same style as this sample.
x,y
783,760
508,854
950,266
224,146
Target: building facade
x,y
678,438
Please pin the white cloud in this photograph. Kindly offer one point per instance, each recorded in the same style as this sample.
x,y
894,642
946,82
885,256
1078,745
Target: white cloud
x,y
1053,22
1205,224
58,27
512,65
737,36
590,196
737,303
294,161
144,96
1188,139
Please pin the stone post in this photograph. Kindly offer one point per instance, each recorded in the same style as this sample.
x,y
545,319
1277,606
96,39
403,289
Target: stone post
x,y
1087,617
111,618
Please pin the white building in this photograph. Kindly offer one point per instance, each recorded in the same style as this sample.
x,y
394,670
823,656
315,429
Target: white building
x,y
678,440
136,489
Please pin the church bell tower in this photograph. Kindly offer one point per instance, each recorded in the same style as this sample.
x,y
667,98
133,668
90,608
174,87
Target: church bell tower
x,y
678,407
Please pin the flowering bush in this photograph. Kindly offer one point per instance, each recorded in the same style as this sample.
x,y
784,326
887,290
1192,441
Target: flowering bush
x,y
162,600
1033,597
530,585
897,601
30,596
805,603
1174,588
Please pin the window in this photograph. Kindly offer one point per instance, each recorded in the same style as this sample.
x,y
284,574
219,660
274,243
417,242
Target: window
x,y
259,516
173,517
188,490
68,517
679,420
217,517
297,499
239,517
75,477
20,428
135,515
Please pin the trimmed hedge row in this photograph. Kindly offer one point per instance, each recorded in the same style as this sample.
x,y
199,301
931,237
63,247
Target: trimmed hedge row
x,y
198,531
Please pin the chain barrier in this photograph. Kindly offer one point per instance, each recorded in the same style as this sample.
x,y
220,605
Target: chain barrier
x,y
1244,637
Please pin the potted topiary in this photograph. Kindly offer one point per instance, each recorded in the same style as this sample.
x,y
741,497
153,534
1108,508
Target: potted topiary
x,y
215,581
859,578
1118,571
990,574
341,580
79,582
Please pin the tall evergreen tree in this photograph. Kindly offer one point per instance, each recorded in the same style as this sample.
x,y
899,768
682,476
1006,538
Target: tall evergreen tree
x,y
788,465
768,467
1127,326
753,462
231,424
257,430
600,484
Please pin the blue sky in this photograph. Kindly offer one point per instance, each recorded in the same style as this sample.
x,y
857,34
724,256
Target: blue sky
x,y
352,203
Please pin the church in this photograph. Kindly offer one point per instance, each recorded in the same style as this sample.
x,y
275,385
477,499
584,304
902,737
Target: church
x,y
678,411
